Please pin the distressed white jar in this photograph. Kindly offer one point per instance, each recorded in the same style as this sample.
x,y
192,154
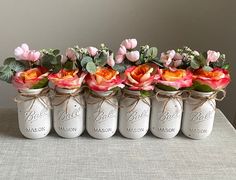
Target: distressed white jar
x,y
34,113
101,115
134,115
166,114
198,115
68,113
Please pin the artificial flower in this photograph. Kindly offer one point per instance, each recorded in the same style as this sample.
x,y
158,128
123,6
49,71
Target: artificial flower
x,y
175,80
140,77
216,79
68,79
24,53
104,79
31,79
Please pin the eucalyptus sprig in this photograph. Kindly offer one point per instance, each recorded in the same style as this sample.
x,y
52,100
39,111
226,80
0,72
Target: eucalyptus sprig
x,y
51,59
10,67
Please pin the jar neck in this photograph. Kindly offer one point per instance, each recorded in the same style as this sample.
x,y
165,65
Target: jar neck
x,y
132,92
31,91
102,93
159,91
201,94
66,91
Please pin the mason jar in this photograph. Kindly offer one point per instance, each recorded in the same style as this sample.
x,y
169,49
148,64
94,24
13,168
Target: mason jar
x,y
34,113
134,114
102,114
166,114
198,115
68,113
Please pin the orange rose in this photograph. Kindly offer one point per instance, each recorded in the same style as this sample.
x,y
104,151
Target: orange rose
x,y
68,79
104,79
140,77
177,79
31,79
216,79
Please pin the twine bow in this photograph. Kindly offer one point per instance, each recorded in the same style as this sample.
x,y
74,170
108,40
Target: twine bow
x,y
24,97
163,97
101,99
66,97
136,98
203,100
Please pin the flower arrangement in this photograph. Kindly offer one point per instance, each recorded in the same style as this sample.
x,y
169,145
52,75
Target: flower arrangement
x,y
138,70
139,66
98,63
135,69
210,69
24,70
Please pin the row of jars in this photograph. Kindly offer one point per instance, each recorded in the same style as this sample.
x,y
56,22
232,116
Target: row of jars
x,y
101,113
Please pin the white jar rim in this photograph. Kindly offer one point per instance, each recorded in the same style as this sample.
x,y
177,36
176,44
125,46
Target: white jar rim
x,y
31,91
66,91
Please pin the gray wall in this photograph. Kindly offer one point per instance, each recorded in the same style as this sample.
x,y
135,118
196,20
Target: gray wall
x,y
208,24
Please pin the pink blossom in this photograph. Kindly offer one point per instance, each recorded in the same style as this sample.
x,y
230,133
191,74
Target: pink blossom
x,y
133,56
23,53
110,60
129,43
212,56
166,58
121,50
92,51
70,54
119,58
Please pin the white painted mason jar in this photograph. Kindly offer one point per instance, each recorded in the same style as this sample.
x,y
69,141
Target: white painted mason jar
x,y
166,114
134,115
34,113
198,115
101,114
68,113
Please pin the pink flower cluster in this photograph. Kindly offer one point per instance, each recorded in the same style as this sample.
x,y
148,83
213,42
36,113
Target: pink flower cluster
x,y
126,51
24,53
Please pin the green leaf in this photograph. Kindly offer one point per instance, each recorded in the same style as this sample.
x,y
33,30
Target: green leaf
x,y
86,60
91,67
119,67
207,68
58,57
56,52
165,88
101,60
41,84
152,52
225,66
145,93
6,74
194,64
68,65
56,68
9,60
201,87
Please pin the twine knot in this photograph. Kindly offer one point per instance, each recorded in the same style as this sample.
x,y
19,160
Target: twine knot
x,y
24,97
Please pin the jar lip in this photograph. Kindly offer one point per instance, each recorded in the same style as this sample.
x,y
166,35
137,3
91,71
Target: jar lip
x,y
32,91
65,90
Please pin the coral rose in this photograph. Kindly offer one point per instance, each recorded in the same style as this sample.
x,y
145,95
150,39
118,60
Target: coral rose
x,y
31,79
104,79
140,77
216,79
68,79
177,79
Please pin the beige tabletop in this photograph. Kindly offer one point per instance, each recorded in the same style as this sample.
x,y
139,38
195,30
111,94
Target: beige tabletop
x,y
116,158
